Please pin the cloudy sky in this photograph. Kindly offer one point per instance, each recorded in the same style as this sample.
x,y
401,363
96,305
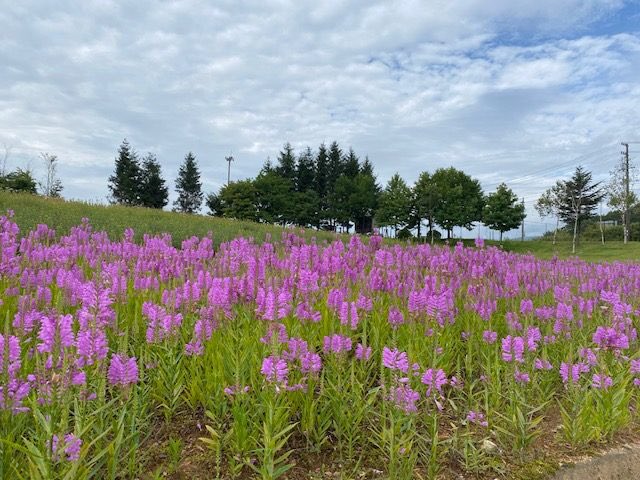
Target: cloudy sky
x,y
507,90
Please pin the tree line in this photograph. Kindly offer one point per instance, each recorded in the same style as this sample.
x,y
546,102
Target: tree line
x,y
139,182
331,188
326,190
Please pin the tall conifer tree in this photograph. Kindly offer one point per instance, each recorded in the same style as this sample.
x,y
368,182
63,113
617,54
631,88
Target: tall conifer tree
x,y
124,184
188,186
305,171
287,163
153,189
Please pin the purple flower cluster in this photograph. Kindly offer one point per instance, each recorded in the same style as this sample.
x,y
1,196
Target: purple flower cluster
x,y
337,344
610,338
123,371
404,397
68,445
274,369
395,360
513,349
478,418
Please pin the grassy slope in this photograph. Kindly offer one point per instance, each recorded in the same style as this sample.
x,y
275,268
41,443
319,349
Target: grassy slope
x,y
61,215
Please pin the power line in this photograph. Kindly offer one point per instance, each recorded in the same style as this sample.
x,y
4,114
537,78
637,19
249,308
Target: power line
x,y
550,169
626,188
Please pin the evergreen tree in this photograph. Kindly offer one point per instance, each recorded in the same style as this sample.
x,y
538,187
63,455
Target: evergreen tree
x,y
124,184
355,200
305,171
321,171
394,208
334,172
267,167
335,165
366,168
188,186
339,202
287,163
502,211
460,199
351,166
578,200
363,201
153,190
305,211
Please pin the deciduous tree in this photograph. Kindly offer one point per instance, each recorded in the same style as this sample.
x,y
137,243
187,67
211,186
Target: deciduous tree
x,y
52,185
394,208
425,201
548,205
502,210
461,199
238,200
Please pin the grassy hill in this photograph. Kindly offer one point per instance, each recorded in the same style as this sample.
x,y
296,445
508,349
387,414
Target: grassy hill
x,y
31,210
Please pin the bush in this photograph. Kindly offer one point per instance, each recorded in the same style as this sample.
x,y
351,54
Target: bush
x,y
19,181
404,234
591,233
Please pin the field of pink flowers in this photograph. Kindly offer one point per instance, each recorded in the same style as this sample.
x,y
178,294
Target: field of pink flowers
x,y
403,359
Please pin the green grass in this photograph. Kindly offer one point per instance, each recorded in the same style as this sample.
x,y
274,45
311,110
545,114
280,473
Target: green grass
x,y
31,210
590,251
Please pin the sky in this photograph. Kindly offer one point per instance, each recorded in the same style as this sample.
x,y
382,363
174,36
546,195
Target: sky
x,y
509,91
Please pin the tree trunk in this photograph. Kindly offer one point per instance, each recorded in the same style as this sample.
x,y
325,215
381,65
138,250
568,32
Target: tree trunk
x,y
555,232
500,236
431,229
419,222
575,234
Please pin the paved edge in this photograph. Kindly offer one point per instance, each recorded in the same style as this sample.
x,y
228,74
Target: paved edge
x,y
621,463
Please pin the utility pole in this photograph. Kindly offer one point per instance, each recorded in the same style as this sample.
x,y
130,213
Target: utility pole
x,y
522,225
601,227
626,190
229,159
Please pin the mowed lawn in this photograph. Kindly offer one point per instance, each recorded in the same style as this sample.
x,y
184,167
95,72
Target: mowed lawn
x,y
590,251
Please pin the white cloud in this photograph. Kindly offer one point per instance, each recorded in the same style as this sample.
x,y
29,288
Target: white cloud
x,y
485,86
